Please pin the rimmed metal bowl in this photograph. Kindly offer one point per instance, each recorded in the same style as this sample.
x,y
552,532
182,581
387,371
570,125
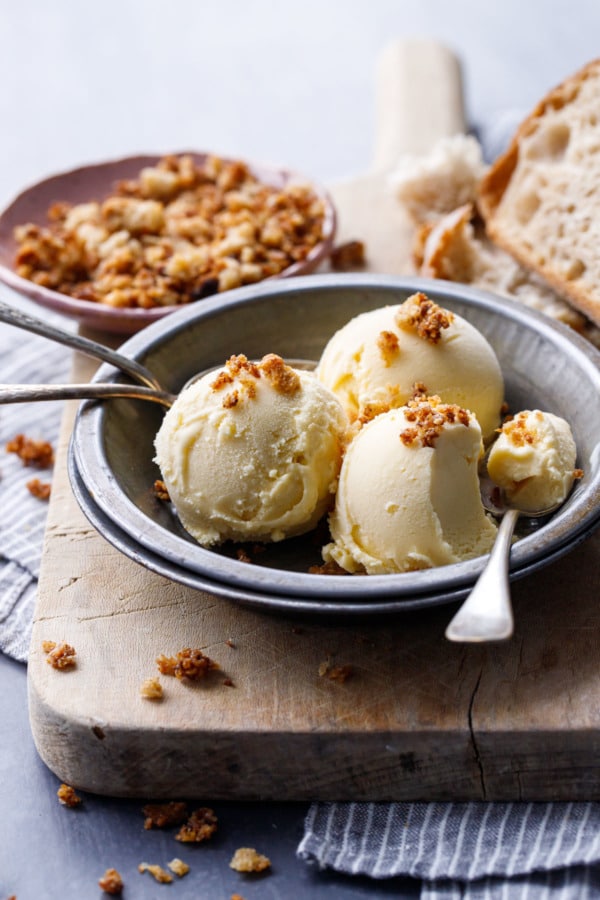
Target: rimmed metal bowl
x,y
545,365
96,182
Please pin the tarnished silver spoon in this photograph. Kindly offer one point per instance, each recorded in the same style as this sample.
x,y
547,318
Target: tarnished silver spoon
x,y
25,393
148,387
12,316
486,614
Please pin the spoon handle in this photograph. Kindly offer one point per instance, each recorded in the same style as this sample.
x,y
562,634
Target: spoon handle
x,y
19,319
486,614
24,393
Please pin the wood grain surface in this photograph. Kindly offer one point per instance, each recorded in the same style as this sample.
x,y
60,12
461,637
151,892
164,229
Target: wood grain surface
x,y
419,718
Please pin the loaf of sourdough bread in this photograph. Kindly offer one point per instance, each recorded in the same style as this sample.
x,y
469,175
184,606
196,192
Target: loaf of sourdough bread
x,y
541,199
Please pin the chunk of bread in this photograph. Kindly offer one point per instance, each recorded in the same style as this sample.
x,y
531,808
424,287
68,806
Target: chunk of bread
x,y
430,186
456,248
541,199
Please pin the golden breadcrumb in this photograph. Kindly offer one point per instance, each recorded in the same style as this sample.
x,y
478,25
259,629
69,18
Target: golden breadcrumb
x,y
31,452
188,665
161,875
59,656
430,416
111,882
151,689
67,796
163,815
246,859
425,317
178,867
200,826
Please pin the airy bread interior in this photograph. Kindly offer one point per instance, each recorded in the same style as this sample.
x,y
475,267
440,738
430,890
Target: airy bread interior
x,y
541,199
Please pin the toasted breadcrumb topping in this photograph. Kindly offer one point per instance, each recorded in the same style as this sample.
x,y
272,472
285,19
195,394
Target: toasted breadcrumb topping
x,y
389,345
425,317
188,665
161,491
163,815
111,882
158,873
67,796
430,416
519,431
246,859
31,452
370,411
59,656
283,378
241,371
200,826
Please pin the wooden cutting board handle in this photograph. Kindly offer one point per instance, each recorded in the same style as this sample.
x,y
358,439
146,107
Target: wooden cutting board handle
x,y
418,100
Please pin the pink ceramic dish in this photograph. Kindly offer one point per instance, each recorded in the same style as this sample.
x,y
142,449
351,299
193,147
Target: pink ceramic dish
x,y
96,182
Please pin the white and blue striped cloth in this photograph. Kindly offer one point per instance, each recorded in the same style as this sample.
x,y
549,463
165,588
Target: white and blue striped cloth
x,y
476,851
24,359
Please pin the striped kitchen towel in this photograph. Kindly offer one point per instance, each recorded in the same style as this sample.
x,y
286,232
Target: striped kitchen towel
x,y
24,358
476,851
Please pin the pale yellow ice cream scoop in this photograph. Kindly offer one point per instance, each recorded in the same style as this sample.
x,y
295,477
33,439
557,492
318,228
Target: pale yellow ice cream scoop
x,y
252,452
533,460
408,495
375,360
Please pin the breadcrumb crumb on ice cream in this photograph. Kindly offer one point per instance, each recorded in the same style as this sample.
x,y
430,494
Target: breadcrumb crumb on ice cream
x,y
252,452
376,358
533,460
408,495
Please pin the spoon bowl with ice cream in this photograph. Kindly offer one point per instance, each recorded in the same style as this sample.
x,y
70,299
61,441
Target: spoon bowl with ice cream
x,y
531,469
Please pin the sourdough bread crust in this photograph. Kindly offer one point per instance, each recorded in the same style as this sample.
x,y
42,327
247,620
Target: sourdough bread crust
x,y
505,178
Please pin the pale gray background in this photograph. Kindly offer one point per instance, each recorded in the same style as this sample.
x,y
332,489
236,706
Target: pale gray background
x,y
287,82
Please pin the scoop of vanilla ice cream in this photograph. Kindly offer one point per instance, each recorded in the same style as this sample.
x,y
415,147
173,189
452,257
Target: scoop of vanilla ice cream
x,y
375,360
533,460
408,495
251,452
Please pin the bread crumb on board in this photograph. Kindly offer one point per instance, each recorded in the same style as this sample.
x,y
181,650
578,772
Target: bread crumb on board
x,y
188,665
59,656
151,689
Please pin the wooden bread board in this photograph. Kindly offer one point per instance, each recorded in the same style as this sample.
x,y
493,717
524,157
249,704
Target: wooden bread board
x,y
419,718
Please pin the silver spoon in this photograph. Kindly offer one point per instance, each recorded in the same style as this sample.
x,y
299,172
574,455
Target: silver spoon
x,y
151,389
486,614
23,393
139,373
